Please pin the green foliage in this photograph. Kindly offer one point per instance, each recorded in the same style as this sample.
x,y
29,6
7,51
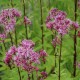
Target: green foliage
x,y
33,12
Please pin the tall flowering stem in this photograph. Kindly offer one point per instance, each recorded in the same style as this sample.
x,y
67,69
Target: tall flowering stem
x,y
15,27
26,22
4,45
49,4
61,47
75,41
16,43
11,38
58,21
42,23
19,73
3,37
9,32
60,59
24,8
29,77
12,3
55,53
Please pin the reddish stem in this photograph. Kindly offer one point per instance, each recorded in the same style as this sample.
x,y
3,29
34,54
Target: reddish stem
x,y
15,42
42,24
26,30
60,60
75,42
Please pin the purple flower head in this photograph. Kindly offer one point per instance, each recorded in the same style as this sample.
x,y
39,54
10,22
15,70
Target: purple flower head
x,y
78,64
3,36
23,56
28,43
48,19
8,18
75,25
26,57
78,3
26,20
44,74
49,25
15,12
10,54
56,41
43,55
7,58
57,20
53,13
78,34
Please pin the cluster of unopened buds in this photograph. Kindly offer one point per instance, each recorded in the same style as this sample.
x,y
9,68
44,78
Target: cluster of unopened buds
x,y
58,21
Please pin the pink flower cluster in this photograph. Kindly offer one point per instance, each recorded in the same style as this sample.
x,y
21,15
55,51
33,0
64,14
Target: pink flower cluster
x,y
78,3
43,55
2,37
8,18
9,54
44,75
78,33
56,41
75,25
57,20
23,56
26,20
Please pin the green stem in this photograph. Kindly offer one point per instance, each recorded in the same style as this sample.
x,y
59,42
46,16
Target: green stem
x,y
11,38
29,77
75,41
32,76
49,3
12,3
19,73
60,60
24,8
15,36
42,24
15,42
4,45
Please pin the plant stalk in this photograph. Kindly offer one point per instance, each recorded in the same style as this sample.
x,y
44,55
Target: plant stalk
x,y
60,60
19,73
12,3
24,8
16,43
11,38
75,41
49,3
4,45
29,77
41,11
